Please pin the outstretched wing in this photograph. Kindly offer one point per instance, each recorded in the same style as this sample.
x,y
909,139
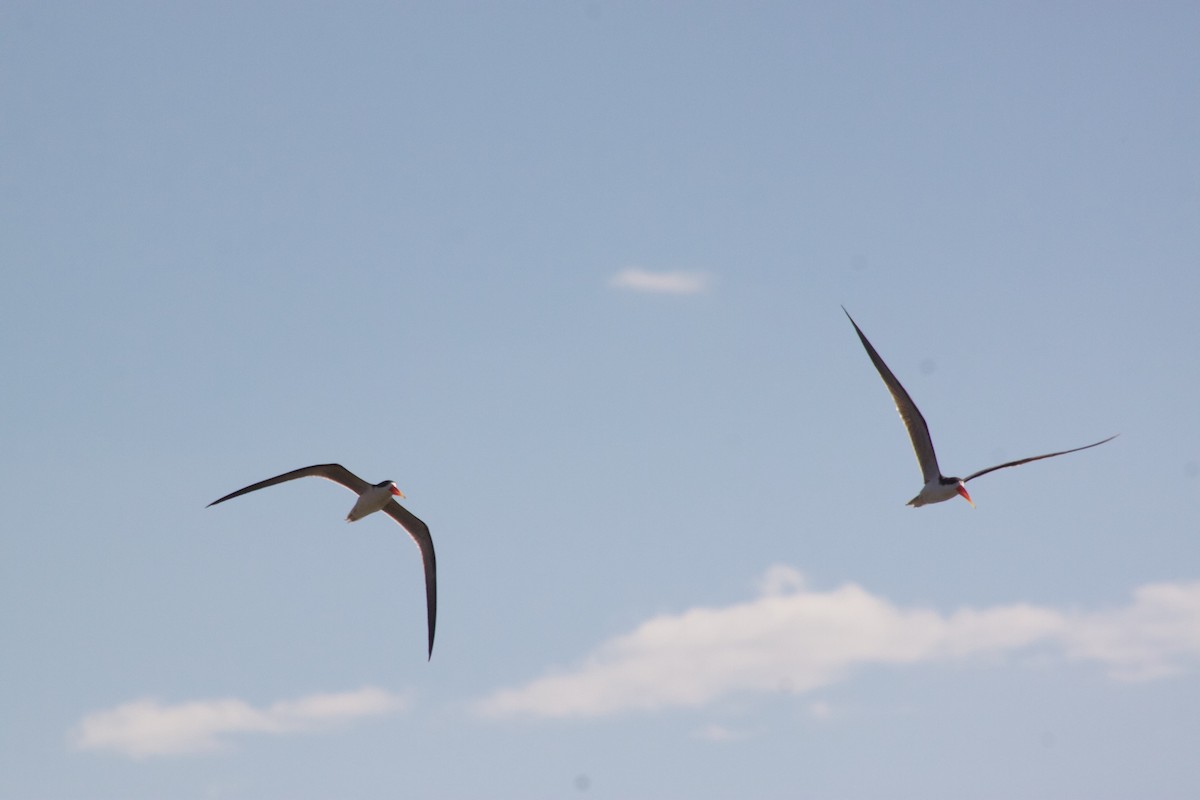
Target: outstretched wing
x,y
332,472
419,531
918,431
1017,463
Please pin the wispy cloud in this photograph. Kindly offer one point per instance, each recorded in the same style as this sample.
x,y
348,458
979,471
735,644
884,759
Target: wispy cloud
x,y
640,280
820,710
715,732
150,728
795,639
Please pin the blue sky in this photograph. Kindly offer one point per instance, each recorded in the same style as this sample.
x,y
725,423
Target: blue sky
x,y
570,274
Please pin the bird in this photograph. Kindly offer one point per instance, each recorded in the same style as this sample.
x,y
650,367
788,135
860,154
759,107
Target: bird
x,y
938,488
371,498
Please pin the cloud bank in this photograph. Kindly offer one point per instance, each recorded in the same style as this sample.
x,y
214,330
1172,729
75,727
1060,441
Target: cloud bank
x,y
149,728
639,280
794,639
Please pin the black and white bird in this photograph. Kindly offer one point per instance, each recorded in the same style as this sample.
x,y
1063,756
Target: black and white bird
x,y
371,498
938,487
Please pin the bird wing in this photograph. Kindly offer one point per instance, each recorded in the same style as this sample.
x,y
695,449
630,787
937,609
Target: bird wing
x,y
974,475
918,431
419,531
333,472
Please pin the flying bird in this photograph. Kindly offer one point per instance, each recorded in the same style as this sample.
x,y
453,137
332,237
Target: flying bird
x,y
371,498
937,488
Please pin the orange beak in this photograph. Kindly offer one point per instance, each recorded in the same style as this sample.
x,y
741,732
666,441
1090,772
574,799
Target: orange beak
x,y
399,493
962,490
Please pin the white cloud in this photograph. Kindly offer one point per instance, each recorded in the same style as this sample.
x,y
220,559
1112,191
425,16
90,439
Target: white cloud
x,y
795,639
820,710
1155,637
780,579
715,732
150,728
640,280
